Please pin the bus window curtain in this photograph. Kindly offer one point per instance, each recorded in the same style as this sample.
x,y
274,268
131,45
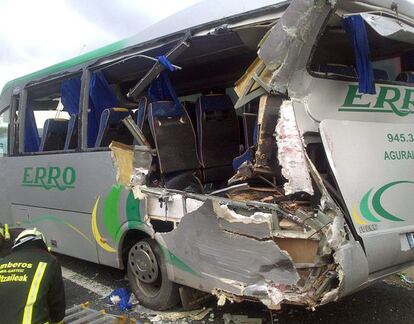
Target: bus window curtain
x,y
356,30
101,97
70,95
31,137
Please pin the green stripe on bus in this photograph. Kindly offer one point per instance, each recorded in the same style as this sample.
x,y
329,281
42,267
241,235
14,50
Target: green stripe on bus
x,y
132,210
172,259
78,60
111,213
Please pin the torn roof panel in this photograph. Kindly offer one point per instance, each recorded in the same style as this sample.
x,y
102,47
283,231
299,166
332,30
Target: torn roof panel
x,y
288,46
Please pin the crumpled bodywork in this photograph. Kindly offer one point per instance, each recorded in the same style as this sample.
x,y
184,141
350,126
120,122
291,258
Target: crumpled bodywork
x,y
243,247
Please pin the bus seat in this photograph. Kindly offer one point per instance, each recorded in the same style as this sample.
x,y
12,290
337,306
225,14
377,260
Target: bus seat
x,y
252,140
111,127
406,76
250,129
381,75
338,69
190,108
218,136
54,134
71,141
141,118
174,137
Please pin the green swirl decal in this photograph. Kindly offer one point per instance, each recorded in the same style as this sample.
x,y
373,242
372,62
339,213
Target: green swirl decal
x,y
54,219
132,210
365,209
376,201
376,204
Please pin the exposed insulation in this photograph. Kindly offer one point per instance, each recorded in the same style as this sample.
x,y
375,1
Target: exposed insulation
x,y
290,152
123,157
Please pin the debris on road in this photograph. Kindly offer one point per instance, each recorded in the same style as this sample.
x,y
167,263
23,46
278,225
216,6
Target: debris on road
x,y
406,279
83,314
196,315
121,298
240,319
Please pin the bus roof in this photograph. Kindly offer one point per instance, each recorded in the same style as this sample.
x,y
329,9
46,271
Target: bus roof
x,y
207,13
197,15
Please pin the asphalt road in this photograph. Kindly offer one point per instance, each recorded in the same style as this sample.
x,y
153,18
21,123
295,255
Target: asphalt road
x,y
388,301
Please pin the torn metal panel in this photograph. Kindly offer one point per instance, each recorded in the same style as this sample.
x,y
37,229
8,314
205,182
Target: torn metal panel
x,y
258,225
390,27
122,156
287,47
291,153
132,164
352,278
227,261
170,207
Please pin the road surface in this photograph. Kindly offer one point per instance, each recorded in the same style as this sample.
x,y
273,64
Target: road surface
x,y
388,301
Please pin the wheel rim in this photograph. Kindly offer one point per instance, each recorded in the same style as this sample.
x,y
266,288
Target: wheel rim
x,y
144,266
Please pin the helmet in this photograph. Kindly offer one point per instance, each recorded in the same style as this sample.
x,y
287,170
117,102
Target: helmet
x,y
28,235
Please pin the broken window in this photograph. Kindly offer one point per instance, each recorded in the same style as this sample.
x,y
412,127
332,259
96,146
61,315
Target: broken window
x,y
199,140
51,117
391,57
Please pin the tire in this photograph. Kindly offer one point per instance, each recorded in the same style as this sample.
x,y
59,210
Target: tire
x,y
148,280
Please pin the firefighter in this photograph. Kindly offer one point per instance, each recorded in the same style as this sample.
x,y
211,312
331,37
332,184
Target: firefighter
x,y
31,284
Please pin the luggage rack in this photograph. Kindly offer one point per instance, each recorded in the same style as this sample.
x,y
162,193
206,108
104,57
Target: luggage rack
x,y
82,314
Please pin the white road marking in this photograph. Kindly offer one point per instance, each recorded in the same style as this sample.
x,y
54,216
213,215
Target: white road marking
x,y
87,283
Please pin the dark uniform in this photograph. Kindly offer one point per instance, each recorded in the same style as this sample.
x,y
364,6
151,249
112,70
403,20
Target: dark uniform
x,y
31,286
7,237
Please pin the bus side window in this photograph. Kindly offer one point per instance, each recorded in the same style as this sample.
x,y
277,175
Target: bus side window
x,y
50,116
4,131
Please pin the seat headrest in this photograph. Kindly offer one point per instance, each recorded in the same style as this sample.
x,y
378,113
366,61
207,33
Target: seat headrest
x,y
211,103
406,76
114,115
380,74
51,128
55,123
166,109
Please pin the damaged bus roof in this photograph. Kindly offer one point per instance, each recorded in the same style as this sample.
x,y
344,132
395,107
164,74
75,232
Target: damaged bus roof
x,y
206,14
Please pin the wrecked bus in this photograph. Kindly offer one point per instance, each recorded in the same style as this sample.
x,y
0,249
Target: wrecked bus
x,y
254,150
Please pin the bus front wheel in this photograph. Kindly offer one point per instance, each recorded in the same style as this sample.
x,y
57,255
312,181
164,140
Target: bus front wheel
x,y
147,274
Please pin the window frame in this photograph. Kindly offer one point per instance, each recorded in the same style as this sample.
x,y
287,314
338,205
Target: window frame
x,y
7,153
22,108
315,74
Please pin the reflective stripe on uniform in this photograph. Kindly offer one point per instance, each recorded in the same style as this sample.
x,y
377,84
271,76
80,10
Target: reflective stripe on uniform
x,y
34,289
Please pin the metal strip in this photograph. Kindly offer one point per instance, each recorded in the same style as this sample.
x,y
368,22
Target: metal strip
x,y
158,67
22,119
83,108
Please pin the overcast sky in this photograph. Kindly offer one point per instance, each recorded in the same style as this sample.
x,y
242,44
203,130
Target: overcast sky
x,y
37,33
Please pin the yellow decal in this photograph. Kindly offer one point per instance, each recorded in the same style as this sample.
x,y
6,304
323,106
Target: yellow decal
x,y
98,238
357,218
